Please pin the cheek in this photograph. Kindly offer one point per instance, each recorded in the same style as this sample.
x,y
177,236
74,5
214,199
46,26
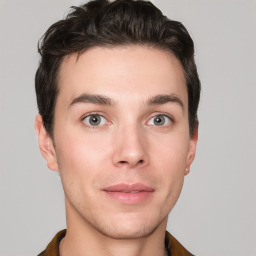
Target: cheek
x,y
81,154
170,161
171,151
79,165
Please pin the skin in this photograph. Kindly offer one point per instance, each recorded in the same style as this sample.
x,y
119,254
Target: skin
x,y
128,146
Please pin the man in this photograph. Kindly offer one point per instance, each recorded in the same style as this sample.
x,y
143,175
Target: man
x,y
117,91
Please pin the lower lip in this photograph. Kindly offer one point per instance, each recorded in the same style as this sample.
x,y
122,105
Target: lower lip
x,y
130,198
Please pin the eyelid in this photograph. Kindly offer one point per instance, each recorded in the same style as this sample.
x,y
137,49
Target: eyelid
x,y
91,113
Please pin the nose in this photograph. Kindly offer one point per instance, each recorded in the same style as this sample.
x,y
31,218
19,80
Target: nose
x,y
130,148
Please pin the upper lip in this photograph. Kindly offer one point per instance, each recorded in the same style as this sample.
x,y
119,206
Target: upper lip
x,y
123,187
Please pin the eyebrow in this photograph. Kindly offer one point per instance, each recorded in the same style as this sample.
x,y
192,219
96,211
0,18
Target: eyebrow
x,y
94,99
162,99
104,100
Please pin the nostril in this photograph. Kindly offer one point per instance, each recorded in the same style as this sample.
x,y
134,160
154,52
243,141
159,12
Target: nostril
x,y
126,162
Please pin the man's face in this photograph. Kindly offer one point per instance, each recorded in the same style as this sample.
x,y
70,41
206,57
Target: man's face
x,y
121,138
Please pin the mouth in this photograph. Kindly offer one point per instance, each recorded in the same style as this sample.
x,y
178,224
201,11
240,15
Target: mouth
x,y
129,194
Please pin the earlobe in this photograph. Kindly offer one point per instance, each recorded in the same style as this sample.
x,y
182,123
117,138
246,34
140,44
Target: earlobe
x,y
191,150
187,171
45,144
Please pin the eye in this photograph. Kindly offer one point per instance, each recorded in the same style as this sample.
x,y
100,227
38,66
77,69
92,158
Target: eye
x,y
160,120
95,120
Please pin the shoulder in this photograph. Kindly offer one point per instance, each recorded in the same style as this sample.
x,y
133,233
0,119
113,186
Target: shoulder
x,y
52,248
175,247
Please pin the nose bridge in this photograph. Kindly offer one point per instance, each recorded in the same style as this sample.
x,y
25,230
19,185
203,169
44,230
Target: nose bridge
x,y
130,146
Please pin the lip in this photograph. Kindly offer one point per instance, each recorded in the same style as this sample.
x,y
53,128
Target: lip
x,y
129,193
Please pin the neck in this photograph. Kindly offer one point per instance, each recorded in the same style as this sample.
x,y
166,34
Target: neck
x,y
81,246
82,239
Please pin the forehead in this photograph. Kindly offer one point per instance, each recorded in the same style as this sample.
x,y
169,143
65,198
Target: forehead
x,y
123,71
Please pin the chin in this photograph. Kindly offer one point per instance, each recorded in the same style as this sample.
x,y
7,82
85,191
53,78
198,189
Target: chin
x,y
130,229
128,233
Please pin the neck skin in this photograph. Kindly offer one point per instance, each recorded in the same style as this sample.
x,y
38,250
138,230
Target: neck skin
x,y
82,239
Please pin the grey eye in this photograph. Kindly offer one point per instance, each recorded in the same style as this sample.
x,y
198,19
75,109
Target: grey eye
x,y
159,120
95,120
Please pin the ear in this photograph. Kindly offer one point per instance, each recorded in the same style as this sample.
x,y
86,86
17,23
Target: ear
x,y
191,150
46,144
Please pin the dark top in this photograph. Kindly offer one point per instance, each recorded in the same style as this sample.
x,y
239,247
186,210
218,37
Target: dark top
x,y
173,247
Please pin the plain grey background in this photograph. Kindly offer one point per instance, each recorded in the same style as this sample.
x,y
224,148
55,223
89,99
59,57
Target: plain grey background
x,y
216,213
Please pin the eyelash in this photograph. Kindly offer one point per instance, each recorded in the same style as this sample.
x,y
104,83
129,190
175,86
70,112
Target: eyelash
x,y
159,115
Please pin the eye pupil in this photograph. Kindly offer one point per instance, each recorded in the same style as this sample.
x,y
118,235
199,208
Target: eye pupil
x,y
94,120
159,120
